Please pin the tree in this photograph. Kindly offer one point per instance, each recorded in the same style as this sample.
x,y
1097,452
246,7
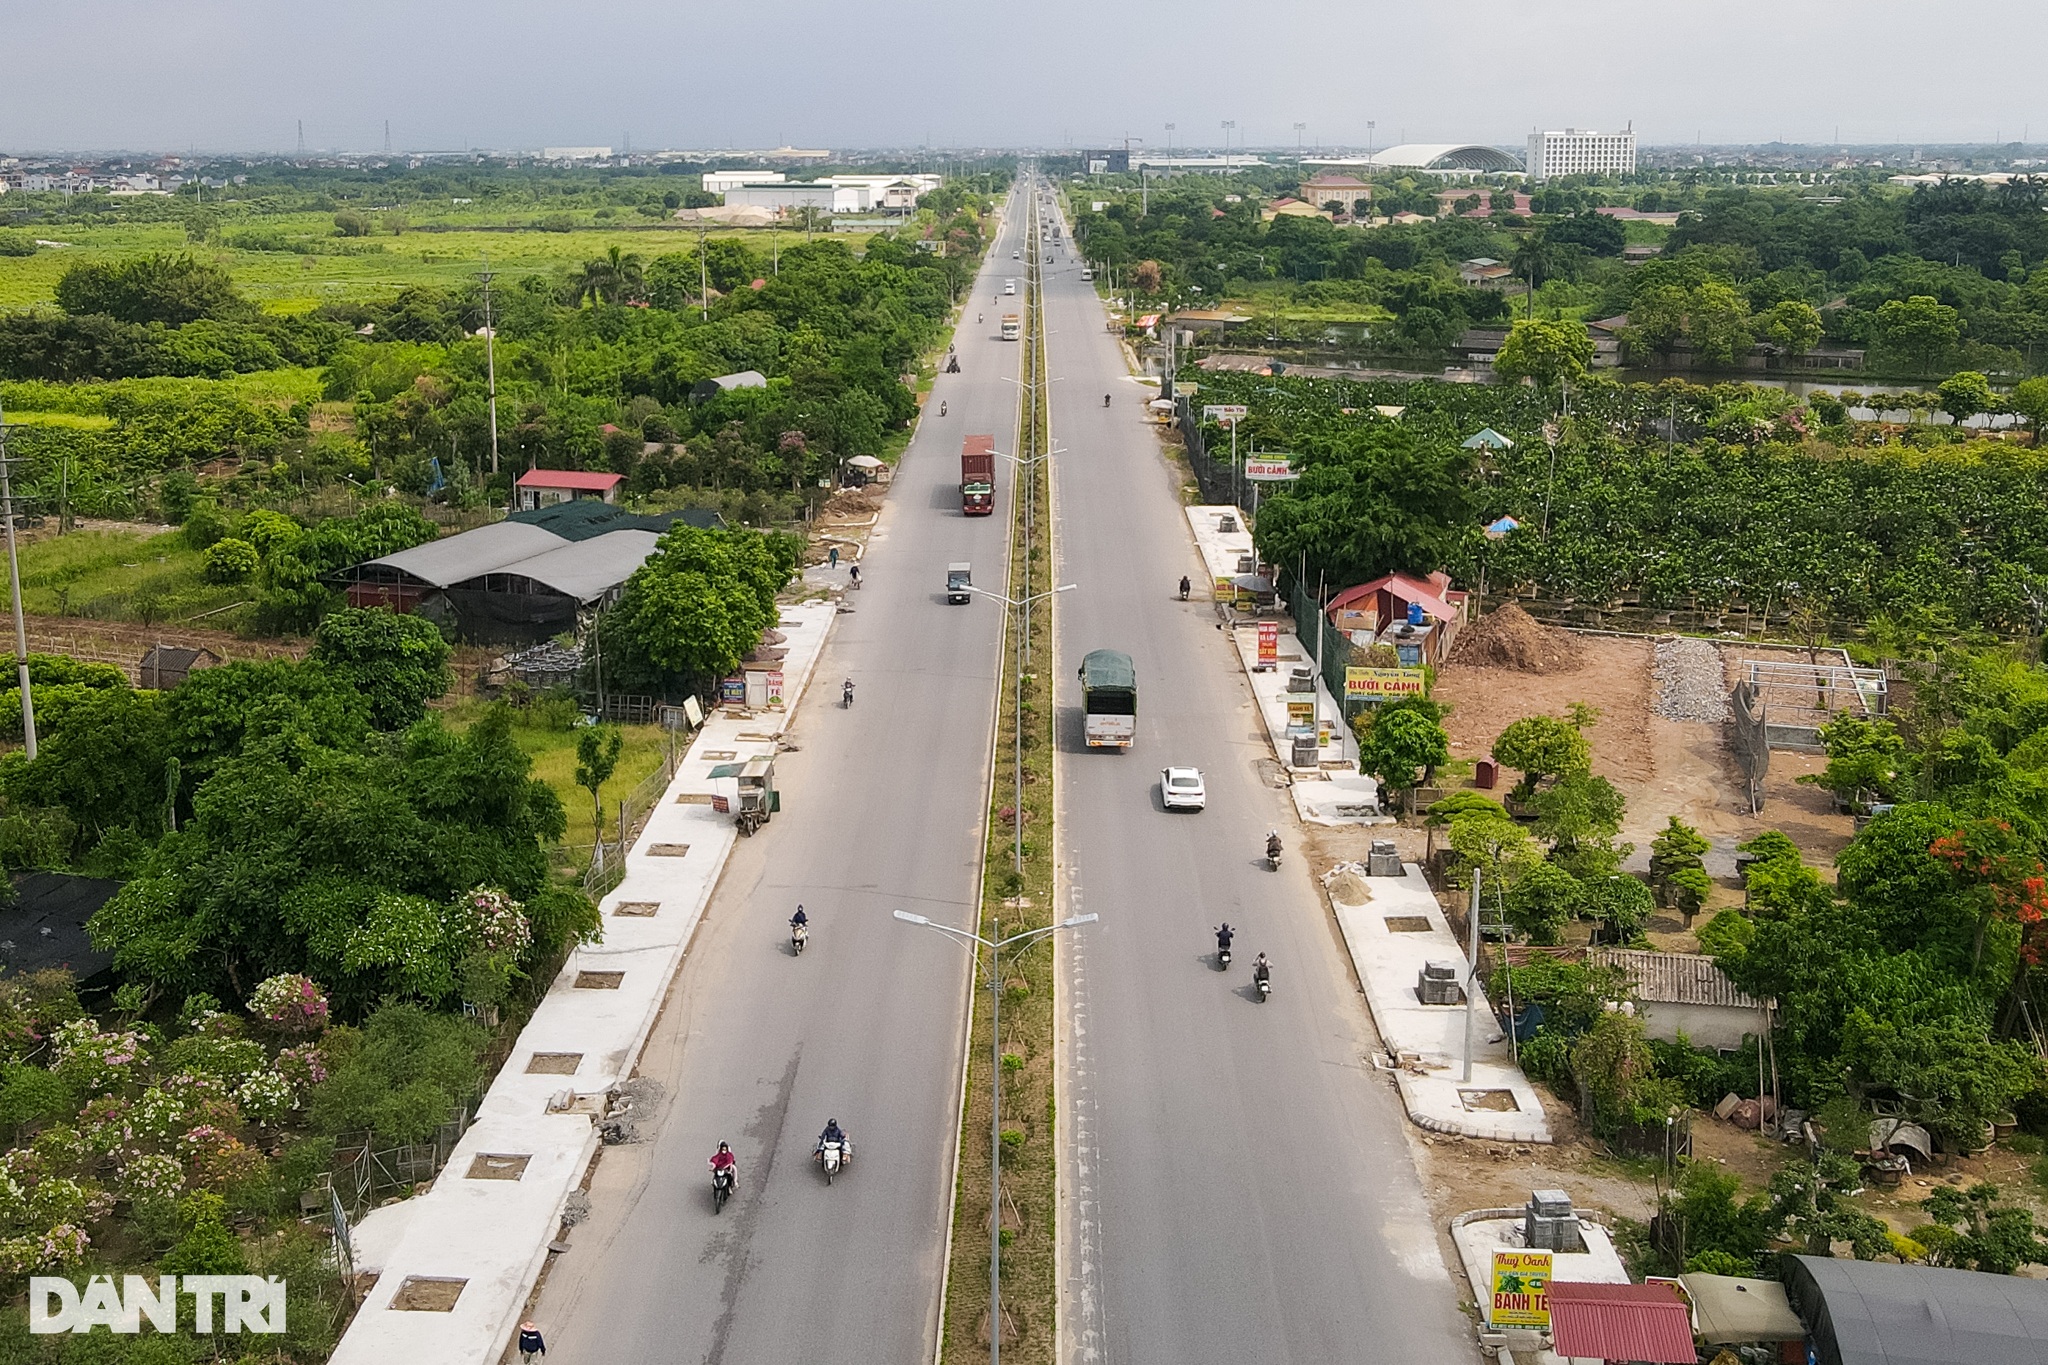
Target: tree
x,y
1717,322
1966,393
1403,749
1496,846
1791,325
1678,874
1921,329
1580,814
1656,318
1974,1231
1621,903
1541,902
172,290
1616,1072
1385,499
1147,276
1540,747
398,662
698,605
1547,352
597,758
228,560
2030,400
1812,1203
1865,759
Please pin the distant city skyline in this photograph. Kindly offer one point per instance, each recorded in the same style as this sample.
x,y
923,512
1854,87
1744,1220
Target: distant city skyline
x,y
238,76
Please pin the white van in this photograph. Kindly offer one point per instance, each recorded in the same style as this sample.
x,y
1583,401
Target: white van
x,y
1009,286
1086,273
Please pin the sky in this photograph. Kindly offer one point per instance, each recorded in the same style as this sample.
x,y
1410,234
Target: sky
x,y
241,75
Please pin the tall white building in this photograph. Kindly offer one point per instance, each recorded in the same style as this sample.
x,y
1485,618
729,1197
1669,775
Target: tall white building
x,y
1579,151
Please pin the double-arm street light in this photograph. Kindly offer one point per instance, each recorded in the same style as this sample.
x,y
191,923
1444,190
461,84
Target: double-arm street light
x,y
995,1140
1022,606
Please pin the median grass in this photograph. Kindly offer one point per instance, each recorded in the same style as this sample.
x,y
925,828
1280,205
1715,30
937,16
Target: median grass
x,y
1012,904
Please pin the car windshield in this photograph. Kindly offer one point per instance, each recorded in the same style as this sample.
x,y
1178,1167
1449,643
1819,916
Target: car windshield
x,y
1186,780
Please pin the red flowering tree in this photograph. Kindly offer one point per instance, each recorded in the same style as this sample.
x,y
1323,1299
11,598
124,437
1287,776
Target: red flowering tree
x,y
1994,863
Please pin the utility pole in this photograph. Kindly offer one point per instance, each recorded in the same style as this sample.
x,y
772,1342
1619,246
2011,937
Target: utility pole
x,y
28,708
703,280
1299,129
302,137
491,358
1471,977
1369,126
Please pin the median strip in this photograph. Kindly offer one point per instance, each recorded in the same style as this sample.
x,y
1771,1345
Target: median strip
x,y
1017,899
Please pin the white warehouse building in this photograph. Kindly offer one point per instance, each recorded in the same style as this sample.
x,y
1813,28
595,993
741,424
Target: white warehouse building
x,y
1579,151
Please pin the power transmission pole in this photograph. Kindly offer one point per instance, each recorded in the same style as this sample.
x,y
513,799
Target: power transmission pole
x,y
703,280
28,709
491,358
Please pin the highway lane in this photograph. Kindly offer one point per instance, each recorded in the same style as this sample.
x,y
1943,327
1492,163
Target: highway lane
x,y
883,807
1235,1181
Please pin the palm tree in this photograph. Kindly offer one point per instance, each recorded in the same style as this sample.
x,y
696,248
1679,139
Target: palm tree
x,y
616,277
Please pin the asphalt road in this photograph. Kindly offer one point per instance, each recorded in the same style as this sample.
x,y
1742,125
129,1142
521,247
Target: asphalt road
x,y
1235,1181
882,809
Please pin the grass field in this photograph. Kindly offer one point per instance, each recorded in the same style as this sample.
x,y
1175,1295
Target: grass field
x,y
553,752
285,282
119,576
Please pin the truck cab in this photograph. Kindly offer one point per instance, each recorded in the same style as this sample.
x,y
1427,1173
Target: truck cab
x,y
959,577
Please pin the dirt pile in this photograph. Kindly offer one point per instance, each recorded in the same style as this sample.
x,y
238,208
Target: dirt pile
x,y
1510,638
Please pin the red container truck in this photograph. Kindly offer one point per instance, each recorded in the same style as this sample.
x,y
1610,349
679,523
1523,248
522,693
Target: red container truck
x,y
978,476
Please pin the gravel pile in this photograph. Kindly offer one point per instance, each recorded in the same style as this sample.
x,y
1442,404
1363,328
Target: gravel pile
x,y
1689,681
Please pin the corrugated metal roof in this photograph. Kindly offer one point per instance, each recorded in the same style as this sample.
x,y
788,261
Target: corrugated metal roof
x,y
1873,1313
439,563
570,478
1675,978
1633,1322
584,569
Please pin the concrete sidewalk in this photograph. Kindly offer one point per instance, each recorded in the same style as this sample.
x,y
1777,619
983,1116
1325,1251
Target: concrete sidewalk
x,y
483,1230
1394,927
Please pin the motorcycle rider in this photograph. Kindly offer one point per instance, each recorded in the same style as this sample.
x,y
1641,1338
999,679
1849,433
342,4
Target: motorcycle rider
x,y
1272,844
724,1160
1224,933
1262,970
833,1133
799,919
1105,400
942,407
1184,587
846,693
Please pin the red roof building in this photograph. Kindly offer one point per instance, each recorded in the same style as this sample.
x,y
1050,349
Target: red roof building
x,y
543,487
1378,613
1620,1322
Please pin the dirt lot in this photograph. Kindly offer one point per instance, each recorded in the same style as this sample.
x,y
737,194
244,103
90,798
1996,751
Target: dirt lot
x,y
1662,767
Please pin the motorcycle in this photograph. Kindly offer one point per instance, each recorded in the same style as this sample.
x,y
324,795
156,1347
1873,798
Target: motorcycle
x,y
942,408
846,697
723,1178
1265,988
834,1157
1272,858
1184,586
1223,959
799,935
1105,400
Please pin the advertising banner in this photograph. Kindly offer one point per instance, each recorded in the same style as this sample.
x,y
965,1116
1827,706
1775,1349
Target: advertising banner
x,y
1224,414
1377,684
1521,1289
1269,645
1269,469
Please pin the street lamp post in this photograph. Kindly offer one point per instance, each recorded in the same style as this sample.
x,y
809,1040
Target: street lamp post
x,y
1023,608
995,1123
1228,124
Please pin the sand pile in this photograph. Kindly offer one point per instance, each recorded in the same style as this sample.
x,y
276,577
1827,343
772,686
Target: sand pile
x,y
1509,637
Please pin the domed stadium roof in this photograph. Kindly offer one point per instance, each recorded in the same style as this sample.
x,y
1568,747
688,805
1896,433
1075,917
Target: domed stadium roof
x,y
1447,156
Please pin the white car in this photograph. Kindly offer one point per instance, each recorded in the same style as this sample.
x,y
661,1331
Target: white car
x,y
1181,788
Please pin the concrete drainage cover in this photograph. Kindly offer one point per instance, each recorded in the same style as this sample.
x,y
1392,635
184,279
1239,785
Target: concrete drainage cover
x,y
554,1063
1407,924
498,1166
1490,1101
599,981
428,1294
636,908
668,850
